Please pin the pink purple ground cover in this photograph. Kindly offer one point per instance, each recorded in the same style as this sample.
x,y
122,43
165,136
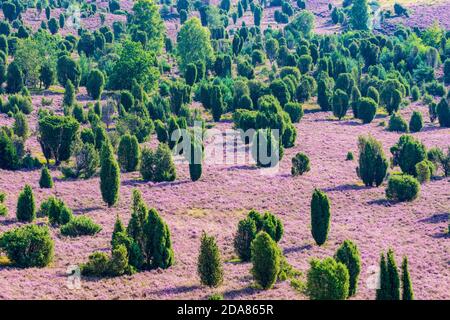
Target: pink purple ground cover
x,y
223,196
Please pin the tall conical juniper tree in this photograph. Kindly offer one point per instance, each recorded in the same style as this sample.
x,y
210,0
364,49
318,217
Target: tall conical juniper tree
x,y
407,289
161,244
209,266
26,208
320,216
109,175
348,254
389,279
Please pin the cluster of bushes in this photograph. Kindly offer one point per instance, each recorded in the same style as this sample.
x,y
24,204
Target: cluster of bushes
x,y
249,227
391,283
144,244
28,246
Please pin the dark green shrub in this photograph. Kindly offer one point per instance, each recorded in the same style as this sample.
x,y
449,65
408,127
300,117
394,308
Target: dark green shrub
x,y
28,246
266,258
97,265
217,104
26,207
424,169
397,123
56,211
14,78
191,74
407,153
20,126
80,226
373,164
209,265
320,216
327,280
325,93
295,111
161,244
56,136
350,156
95,84
340,104
69,94
242,241
407,289
118,264
109,175
443,113
46,180
128,153
215,296
300,164
3,208
416,122
157,166
9,160
126,99
267,150
161,131
402,188
415,93
195,160
349,255
367,109
373,94
389,279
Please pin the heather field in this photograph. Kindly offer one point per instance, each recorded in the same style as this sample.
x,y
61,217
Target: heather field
x,y
411,55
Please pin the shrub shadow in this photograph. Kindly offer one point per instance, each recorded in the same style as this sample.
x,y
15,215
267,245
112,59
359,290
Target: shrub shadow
x,y
436,218
298,249
344,187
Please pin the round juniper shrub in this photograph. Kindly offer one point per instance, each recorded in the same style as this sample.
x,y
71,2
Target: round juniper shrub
x,y
402,188
350,156
266,258
28,246
416,122
126,100
300,164
372,93
97,265
367,108
443,113
295,111
327,280
80,226
407,153
425,170
397,123
46,180
26,208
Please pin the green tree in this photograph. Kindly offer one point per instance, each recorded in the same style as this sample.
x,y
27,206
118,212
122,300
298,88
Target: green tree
x,y
340,104
146,18
209,265
109,175
266,260
373,164
95,84
14,78
243,239
359,15
320,216
327,280
128,153
69,94
161,244
56,136
194,44
134,63
407,289
26,207
46,180
20,126
389,278
349,255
